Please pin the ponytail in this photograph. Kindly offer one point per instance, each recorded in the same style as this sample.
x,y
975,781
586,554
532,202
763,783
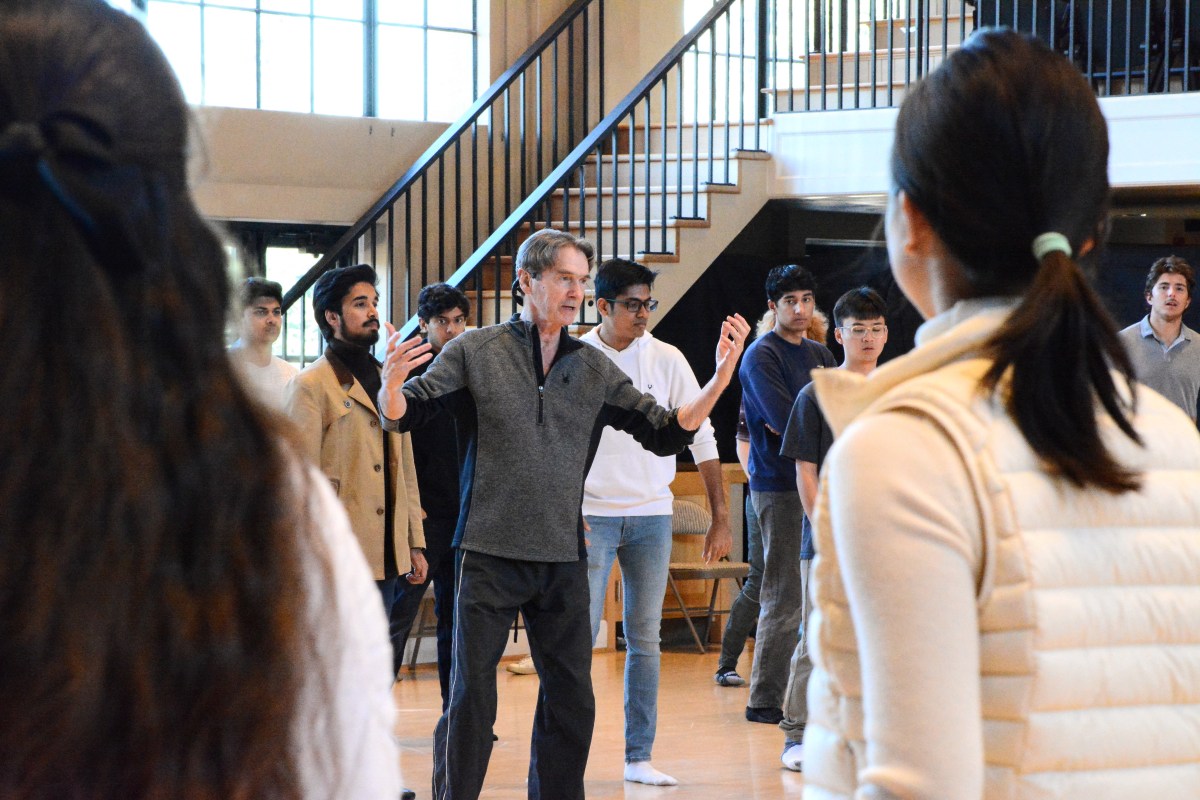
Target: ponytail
x,y
1061,316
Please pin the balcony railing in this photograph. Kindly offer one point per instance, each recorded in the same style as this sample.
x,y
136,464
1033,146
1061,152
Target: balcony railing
x,y
845,54
543,148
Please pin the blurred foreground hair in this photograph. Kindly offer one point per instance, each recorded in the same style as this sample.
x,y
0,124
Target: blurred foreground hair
x,y
153,627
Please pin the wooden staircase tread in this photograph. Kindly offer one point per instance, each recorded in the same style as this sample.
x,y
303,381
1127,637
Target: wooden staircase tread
x,y
748,123
624,224
689,158
607,190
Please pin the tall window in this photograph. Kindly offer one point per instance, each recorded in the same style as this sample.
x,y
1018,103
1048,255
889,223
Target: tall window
x,y
400,59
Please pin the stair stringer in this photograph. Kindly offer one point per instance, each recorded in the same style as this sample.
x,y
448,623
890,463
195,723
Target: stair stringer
x,y
728,215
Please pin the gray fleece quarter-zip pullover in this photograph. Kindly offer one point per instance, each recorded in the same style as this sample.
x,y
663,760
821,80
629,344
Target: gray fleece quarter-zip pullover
x,y
528,435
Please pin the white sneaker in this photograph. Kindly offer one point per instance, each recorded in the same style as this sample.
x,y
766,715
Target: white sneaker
x,y
522,667
793,756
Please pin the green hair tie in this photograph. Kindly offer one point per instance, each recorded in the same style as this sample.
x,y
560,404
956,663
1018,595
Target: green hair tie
x,y
1048,243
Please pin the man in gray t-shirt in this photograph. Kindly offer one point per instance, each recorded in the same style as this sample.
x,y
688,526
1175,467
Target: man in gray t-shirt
x,y
861,329
1164,351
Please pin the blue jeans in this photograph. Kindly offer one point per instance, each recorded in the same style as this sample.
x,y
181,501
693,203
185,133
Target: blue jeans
x,y
643,547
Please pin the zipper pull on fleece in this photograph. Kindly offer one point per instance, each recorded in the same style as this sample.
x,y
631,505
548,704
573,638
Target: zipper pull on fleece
x,y
541,402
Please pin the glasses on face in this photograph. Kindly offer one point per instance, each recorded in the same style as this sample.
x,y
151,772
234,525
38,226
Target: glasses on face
x,y
633,305
861,331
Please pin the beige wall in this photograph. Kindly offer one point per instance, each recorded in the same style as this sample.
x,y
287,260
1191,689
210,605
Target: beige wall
x,y
640,32
286,167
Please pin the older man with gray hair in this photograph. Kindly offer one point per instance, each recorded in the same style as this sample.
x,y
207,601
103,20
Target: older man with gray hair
x,y
530,402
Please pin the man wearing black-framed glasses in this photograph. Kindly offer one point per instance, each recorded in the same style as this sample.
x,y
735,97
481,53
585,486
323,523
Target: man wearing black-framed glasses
x,y
627,499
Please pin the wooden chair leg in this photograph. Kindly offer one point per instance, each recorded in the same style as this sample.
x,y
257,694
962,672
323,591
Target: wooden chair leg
x,y
686,616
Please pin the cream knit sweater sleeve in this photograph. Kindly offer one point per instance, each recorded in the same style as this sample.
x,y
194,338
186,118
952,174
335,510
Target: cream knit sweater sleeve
x,y
907,533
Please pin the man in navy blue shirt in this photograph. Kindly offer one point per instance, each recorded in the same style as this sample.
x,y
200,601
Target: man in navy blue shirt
x,y
773,371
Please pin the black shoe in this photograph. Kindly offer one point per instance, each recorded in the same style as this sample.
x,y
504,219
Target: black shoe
x,y
770,716
408,794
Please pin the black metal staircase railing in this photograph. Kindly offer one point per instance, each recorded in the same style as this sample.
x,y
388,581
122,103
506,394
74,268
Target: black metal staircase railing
x,y
846,54
645,171
541,148
479,169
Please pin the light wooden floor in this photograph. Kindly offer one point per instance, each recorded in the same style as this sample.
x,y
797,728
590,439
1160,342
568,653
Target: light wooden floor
x,y
703,737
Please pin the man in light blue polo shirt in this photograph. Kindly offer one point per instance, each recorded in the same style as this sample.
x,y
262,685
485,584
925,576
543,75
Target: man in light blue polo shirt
x,y
1165,352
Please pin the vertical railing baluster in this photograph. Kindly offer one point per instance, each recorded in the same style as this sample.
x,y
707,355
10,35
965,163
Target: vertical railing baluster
x,y
946,29
647,151
679,88
556,104
582,201
424,229
1145,52
570,88
458,203
662,183
873,54
808,45
1129,47
616,193
371,237
763,40
391,248
498,286
728,47
441,218
742,74
304,360
566,205
712,94
524,152
600,56
491,170
962,20
599,168
507,144
696,123
857,52
632,180
1188,22
586,73
475,240
541,112
408,263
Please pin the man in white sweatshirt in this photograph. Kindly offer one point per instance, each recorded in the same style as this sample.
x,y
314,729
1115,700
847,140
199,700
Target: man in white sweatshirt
x,y
627,499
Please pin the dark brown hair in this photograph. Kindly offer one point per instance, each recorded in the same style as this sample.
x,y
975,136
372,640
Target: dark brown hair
x,y
1174,265
153,634
1002,143
255,287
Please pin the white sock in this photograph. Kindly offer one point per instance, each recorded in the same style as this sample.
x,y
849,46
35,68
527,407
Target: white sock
x,y
793,756
643,772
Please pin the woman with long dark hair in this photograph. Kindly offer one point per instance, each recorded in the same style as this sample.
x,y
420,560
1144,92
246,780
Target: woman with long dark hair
x,y
1008,579
183,610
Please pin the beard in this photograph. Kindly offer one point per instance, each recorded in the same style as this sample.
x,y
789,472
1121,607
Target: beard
x,y
364,338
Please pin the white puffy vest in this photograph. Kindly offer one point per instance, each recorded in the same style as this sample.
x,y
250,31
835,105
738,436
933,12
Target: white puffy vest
x,y
1089,612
